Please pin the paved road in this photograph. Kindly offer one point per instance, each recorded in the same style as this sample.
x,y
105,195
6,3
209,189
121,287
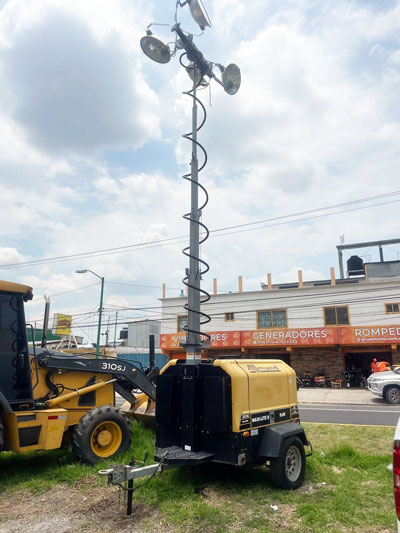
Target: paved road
x,y
366,415
380,414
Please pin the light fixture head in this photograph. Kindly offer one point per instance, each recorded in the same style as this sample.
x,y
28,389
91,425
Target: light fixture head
x,y
191,70
199,13
155,49
80,271
231,78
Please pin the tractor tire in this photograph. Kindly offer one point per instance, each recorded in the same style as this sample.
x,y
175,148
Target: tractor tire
x,y
288,470
392,395
100,434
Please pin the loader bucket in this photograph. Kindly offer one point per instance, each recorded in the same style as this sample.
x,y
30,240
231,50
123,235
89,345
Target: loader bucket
x,y
144,410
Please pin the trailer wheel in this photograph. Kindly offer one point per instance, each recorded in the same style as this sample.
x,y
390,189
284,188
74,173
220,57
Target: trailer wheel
x,y
288,470
392,395
100,434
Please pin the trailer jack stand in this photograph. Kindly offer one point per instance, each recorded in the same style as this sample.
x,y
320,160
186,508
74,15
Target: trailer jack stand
x,y
126,474
129,495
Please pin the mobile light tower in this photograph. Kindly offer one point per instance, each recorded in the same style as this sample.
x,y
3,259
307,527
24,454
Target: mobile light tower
x,y
203,409
201,72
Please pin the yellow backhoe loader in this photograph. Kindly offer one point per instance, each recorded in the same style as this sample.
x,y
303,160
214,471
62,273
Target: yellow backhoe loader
x,y
46,396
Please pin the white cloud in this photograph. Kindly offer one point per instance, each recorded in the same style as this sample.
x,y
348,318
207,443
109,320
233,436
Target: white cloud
x,y
10,255
292,275
71,81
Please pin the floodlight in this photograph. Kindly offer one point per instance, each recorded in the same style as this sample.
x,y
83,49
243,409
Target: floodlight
x,y
191,69
155,49
199,13
231,78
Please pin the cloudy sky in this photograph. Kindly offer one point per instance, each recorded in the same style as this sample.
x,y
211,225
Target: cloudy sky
x,y
91,152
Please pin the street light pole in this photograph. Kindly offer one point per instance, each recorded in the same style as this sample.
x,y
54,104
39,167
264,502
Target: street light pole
x,y
100,308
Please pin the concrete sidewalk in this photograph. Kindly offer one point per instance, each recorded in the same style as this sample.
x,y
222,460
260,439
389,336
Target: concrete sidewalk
x,y
339,396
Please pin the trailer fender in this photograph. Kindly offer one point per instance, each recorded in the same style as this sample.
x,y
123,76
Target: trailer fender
x,y
274,436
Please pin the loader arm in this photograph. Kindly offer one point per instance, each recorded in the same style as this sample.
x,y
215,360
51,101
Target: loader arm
x,y
127,376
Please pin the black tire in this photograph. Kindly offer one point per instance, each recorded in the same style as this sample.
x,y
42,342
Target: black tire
x,y
288,470
392,395
100,434
67,437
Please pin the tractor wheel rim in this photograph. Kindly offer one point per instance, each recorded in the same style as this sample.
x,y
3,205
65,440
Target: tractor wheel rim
x,y
106,439
293,463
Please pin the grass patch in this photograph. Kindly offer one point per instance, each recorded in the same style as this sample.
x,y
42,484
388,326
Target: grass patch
x,y
39,471
347,486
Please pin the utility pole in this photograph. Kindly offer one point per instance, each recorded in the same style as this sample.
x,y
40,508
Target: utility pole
x,y
115,329
107,331
100,308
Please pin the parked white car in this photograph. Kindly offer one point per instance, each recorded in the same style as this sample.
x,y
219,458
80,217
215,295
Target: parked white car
x,y
386,384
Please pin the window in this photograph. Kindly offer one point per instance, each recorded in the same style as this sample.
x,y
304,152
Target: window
x,y
336,316
181,322
272,319
15,377
12,337
229,317
392,308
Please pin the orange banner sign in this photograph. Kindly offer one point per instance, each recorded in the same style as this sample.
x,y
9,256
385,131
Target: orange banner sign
x,y
290,337
219,339
369,335
328,336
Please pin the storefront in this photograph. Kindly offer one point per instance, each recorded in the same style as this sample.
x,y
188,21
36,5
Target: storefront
x,y
328,351
358,363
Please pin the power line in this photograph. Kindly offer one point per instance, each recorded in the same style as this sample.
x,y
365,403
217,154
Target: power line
x,y
281,296
215,319
268,300
316,209
305,219
265,298
213,233
287,307
66,292
137,285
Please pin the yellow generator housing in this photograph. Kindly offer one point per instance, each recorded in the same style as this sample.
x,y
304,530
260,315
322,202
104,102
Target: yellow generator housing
x,y
233,411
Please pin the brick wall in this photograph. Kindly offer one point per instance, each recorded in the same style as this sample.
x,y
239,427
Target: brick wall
x,y
327,361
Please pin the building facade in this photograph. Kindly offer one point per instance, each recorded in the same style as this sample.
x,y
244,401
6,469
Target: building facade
x,y
323,327
135,343
137,333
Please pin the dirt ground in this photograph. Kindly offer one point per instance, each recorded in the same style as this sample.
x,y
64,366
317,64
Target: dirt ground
x,y
89,509
67,509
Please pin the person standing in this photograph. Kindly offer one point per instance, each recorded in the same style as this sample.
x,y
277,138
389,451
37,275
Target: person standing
x,y
383,366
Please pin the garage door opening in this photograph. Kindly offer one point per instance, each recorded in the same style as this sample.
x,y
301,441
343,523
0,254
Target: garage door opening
x,y
358,365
